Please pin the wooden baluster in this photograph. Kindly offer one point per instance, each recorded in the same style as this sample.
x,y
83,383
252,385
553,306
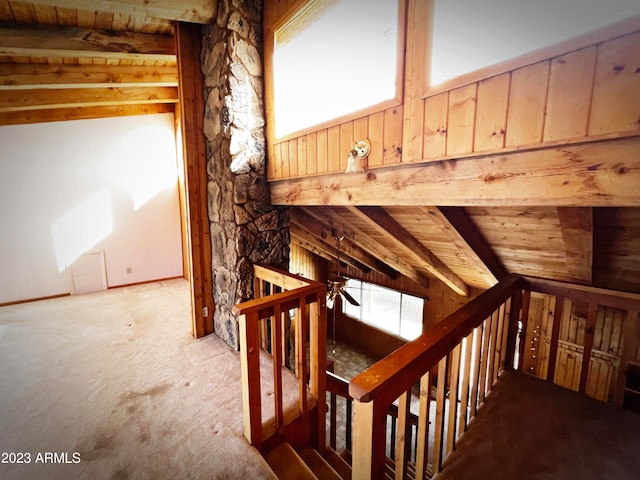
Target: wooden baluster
x,y
588,345
349,426
438,436
512,336
454,379
250,368
473,400
495,318
318,363
505,335
403,447
276,349
464,390
555,336
393,436
422,449
484,355
333,420
497,365
301,325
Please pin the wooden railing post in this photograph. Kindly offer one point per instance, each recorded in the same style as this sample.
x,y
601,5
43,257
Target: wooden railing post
x,y
369,432
250,368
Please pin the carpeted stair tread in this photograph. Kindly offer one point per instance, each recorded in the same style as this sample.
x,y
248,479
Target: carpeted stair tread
x,y
338,463
320,467
287,464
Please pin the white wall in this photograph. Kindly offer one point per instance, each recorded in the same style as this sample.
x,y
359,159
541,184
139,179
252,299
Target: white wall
x,y
106,185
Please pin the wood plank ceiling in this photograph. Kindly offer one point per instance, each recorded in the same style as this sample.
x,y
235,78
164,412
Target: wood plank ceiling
x,y
64,60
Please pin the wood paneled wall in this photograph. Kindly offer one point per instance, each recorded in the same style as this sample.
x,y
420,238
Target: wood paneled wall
x,y
607,351
586,94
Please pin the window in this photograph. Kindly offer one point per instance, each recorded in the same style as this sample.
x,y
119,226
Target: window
x,y
469,35
389,310
332,58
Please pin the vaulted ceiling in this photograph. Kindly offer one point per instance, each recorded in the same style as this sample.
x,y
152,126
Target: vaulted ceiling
x,y
65,60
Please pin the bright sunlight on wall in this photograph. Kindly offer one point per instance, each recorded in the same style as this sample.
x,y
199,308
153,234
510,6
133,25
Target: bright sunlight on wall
x,y
470,35
332,58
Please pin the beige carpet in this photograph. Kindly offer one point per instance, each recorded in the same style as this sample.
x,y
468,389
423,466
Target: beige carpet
x,y
116,378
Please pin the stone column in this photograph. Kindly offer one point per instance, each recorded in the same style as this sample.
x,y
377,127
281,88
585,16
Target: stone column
x,y
245,228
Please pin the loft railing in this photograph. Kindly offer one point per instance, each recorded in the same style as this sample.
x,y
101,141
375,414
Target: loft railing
x,y
283,299
466,352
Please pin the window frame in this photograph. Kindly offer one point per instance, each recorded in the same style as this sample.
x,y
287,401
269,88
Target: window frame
x,y
269,42
398,334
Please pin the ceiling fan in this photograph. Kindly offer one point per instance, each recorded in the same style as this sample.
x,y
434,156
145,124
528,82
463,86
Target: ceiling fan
x,y
337,285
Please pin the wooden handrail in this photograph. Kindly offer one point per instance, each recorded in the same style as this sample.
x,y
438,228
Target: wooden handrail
x,y
471,348
397,372
255,317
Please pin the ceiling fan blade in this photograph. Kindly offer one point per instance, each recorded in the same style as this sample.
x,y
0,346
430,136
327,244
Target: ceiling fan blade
x,y
349,298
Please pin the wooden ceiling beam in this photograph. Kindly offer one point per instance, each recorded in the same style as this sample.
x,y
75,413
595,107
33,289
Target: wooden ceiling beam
x,y
45,41
321,244
466,236
313,248
324,234
15,101
598,173
20,76
388,257
577,233
391,229
78,113
191,11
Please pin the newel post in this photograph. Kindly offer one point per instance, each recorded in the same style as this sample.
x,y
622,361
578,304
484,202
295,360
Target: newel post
x,y
250,367
369,437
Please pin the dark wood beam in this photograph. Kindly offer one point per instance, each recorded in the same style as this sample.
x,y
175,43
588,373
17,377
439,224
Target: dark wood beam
x,y
404,240
349,230
472,242
597,173
188,39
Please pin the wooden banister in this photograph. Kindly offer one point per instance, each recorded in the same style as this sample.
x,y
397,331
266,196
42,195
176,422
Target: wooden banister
x,y
270,313
398,371
470,349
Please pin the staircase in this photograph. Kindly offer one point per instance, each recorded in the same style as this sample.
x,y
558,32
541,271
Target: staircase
x,y
288,464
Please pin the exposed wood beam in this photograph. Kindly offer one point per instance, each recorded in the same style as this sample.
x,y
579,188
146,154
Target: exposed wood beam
x,y
15,101
82,113
192,11
313,248
385,255
323,245
577,234
20,76
349,245
468,238
602,173
390,228
45,41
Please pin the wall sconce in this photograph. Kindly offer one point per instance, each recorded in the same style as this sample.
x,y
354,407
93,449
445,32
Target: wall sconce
x,y
359,152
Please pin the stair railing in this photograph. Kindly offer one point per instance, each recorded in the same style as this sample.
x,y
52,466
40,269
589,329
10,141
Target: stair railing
x,y
263,326
466,351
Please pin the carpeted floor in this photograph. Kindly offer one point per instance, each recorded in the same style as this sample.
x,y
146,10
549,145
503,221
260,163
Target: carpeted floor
x,y
113,384
530,429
